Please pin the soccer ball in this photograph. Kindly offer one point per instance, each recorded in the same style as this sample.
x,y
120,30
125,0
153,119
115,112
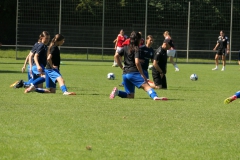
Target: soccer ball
x,y
110,76
194,77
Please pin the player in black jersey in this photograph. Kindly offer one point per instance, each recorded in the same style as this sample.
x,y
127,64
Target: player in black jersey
x,y
159,69
222,48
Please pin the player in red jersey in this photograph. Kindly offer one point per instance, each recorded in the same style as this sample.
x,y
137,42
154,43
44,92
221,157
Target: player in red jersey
x,y
119,44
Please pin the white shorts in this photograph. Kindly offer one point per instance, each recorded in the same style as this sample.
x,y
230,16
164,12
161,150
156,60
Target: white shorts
x,y
171,53
119,49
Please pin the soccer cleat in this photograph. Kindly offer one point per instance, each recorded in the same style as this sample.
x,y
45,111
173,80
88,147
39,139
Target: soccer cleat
x,y
114,65
229,99
160,98
14,84
30,89
69,93
114,93
177,69
19,84
223,69
214,69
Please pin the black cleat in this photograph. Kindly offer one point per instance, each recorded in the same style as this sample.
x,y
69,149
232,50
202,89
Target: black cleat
x,y
19,84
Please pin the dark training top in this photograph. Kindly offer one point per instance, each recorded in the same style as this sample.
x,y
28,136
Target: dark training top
x,y
56,59
223,41
42,54
129,60
160,56
146,54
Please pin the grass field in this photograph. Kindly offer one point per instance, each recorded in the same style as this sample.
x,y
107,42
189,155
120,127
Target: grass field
x,y
193,124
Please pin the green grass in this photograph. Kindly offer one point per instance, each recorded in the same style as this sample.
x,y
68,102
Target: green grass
x,y
193,124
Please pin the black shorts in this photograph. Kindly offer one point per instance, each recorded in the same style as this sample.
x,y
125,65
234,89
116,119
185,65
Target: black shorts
x,y
222,52
160,81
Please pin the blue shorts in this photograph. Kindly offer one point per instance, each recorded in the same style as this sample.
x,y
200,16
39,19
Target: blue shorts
x,y
35,70
131,80
51,77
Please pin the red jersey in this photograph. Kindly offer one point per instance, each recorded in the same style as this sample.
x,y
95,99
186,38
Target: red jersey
x,y
120,40
126,42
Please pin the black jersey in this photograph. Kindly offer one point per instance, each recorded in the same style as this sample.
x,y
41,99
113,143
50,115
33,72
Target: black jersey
x,y
223,41
56,59
146,54
160,55
42,54
129,60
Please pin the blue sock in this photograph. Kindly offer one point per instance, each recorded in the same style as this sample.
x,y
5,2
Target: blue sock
x,y
28,82
151,92
237,94
40,90
122,94
39,80
63,88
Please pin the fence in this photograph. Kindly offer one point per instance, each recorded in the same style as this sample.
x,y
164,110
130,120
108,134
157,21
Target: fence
x,y
91,26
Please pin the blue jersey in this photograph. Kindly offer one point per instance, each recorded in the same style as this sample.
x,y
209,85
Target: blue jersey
x,y
42,54
146,54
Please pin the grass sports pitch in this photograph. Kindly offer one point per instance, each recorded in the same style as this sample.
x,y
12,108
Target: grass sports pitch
x,y
193,124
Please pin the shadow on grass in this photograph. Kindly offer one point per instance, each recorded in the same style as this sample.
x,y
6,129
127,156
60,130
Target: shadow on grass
x,y
6,71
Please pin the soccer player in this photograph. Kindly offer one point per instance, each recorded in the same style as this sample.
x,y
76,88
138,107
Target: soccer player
x,y
133,74
52,72
30,60
40,61
222,48
119,44
171,52
159,69
232,98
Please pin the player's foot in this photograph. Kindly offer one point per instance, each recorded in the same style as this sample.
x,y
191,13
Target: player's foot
x,y
177,69
114,93
19,84
14,84
114,65
214,69
30,89
229,99
160,98
69,93
223,69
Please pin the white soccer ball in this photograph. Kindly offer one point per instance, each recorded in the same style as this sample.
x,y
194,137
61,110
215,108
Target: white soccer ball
x,y
150,67
110,76
194,77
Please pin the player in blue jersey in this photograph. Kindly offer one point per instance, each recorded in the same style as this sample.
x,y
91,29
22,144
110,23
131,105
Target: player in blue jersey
x,y
52,71
133,74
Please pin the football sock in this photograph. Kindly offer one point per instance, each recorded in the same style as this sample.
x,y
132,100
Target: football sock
x,y
237,94
122,94
28,82
63,88
39,80
151,92
39,90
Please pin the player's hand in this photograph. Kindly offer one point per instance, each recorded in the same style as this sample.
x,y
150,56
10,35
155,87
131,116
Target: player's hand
x,y
39,68
161,74
23,69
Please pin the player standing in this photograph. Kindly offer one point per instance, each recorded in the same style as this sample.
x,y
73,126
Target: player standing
x,y
222,48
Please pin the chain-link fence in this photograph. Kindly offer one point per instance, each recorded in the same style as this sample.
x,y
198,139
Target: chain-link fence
x,y
91,26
